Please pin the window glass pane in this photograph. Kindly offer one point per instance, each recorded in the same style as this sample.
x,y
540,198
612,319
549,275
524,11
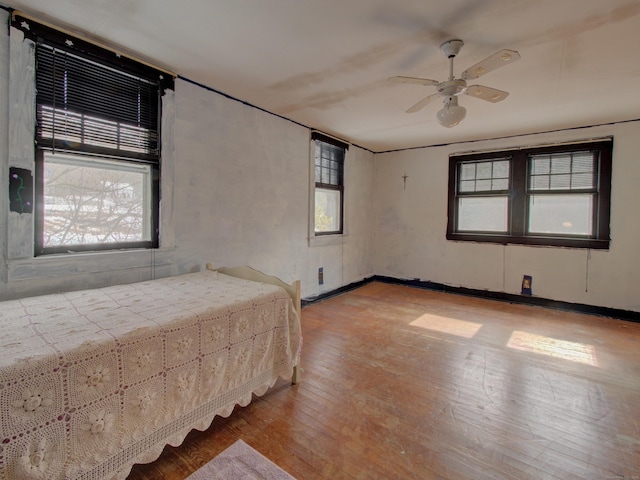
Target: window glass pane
x,y
541,165
500,184
467,186
583,162
582,180
560,163
569,214
501,169
467,171
483,176
483,214
483,170
483,185
329,159
327,214
560,182
565,171
89,200
540,182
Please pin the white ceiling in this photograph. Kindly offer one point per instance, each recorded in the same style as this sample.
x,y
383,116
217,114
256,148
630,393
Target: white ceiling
x,y
326,63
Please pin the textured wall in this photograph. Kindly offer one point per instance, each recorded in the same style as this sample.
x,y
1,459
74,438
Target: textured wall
x,y
235,190
411,226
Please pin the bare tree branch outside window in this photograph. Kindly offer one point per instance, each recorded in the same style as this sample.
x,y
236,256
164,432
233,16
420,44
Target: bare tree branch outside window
x,y
89,202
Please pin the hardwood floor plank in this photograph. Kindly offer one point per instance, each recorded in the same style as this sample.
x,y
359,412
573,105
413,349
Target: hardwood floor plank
x,y
404,383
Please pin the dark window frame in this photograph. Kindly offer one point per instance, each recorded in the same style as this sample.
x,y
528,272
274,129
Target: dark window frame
x,y
39,216
323,141
517,217
130,118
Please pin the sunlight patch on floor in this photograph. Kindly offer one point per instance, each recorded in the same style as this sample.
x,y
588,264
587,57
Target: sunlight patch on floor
x,y
573,351
451,326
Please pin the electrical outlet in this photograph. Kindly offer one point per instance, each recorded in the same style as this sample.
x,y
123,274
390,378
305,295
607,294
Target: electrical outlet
x,y
321,276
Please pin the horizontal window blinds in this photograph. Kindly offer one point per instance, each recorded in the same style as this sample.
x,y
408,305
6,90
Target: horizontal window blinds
x,y
86,105
328,165
484,176
329,160
563,171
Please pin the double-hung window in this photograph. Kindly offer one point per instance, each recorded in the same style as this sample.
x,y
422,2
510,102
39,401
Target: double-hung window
x,y
556,195
97,165
329,185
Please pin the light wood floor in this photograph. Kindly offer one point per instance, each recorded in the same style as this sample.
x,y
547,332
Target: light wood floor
x,y
403,383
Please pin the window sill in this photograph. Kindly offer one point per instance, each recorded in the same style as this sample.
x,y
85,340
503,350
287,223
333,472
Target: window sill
x,y
84,263
562,242
324,240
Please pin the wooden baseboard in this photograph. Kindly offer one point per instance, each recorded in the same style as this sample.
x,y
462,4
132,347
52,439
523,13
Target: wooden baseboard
x,y
621,314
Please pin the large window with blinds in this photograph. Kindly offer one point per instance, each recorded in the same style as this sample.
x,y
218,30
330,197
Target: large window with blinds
x,y
97,164
329,184
556,195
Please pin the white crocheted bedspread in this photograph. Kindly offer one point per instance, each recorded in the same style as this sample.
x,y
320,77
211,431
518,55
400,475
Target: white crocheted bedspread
x,y
94,381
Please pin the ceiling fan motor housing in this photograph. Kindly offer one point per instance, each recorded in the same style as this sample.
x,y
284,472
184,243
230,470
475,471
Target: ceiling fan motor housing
x,y
451,88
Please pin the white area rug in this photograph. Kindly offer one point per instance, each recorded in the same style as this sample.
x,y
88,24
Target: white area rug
x,y
240,461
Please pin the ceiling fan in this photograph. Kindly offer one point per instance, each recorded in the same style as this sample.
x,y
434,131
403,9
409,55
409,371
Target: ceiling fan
x,y
452,113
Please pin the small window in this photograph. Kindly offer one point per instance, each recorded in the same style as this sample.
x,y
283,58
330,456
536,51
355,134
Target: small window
x,y
329,185
97,162
556,195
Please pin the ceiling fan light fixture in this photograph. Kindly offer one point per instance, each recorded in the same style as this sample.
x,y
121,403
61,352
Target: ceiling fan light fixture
x,y
451,114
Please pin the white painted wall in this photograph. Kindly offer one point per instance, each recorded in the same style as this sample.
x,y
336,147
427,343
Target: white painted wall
x,y
4,143
235,190
411,229
241,184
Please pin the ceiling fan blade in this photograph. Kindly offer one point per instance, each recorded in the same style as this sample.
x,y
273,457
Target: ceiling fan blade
x,y
497,60
421,104
489,94
416,80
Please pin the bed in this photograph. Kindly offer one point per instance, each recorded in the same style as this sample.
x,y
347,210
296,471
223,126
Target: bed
x,y
95,381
